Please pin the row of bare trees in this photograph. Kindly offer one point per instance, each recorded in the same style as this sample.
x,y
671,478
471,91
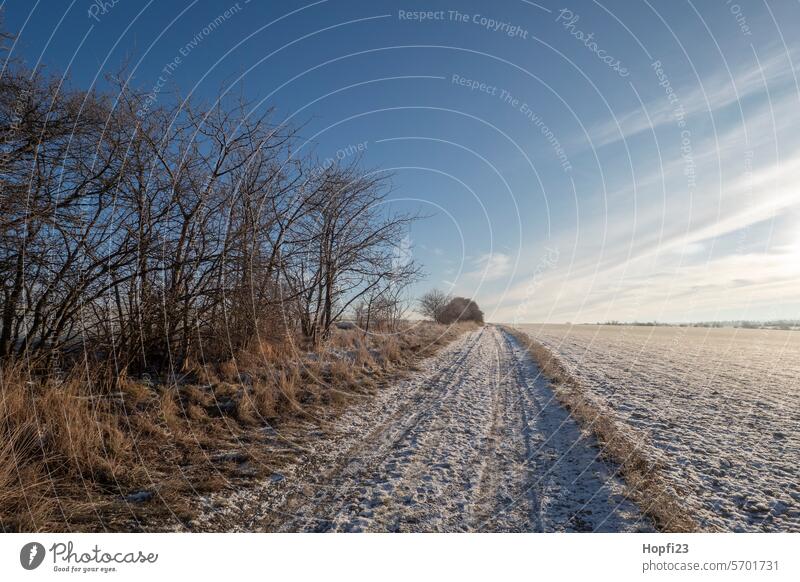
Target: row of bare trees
x,y
158,234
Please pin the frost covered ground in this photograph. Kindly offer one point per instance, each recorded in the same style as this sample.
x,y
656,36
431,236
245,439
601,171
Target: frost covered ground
x,y
720,406
472,441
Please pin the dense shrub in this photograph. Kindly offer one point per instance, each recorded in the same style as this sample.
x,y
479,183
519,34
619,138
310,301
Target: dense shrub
x,y
461,309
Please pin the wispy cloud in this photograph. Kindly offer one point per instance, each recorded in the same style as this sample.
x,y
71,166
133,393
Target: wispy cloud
x,y
676,262
490,267
713,93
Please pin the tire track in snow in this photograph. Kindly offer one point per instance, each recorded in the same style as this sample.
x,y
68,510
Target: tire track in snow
x,y
475,441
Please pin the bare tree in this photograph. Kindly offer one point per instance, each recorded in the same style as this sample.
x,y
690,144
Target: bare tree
x,y
352,250
432,304
152,235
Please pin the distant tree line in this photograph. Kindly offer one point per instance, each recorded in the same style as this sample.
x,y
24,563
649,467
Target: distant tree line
x,y
180,233
779,324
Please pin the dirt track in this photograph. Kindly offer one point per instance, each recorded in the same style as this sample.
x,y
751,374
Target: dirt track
x,y
474,441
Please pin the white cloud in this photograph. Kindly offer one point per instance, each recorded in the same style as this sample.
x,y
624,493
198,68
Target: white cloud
x,y
716,92
672,274
667,251
490,266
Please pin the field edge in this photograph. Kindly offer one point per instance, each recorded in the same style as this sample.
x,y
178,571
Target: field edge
x,y
642,476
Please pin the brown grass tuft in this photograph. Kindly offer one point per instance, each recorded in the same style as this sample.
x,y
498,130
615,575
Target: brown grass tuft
x,y
265,400
288,388
171,411
55,434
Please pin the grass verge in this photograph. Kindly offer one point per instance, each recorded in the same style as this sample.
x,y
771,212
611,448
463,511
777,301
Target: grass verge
x,y
89,453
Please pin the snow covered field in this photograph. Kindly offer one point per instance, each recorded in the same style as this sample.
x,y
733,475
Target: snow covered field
x,y
472,441
721,407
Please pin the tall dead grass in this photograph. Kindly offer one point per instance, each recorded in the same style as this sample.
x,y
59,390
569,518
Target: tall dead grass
x,y
643,475
54,433
73,451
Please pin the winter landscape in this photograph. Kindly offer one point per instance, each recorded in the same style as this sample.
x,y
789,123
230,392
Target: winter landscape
x,y
341,267
720,407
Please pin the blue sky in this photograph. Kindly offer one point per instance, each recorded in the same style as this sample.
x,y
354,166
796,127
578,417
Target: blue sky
x,y
582,161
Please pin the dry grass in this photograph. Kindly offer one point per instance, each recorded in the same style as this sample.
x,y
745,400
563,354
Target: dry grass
x,y
72,452
642,475
56,435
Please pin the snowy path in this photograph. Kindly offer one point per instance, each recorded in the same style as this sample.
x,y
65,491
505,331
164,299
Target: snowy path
x,y
474,441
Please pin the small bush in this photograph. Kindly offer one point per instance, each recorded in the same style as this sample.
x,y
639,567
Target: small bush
x,y
461,309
